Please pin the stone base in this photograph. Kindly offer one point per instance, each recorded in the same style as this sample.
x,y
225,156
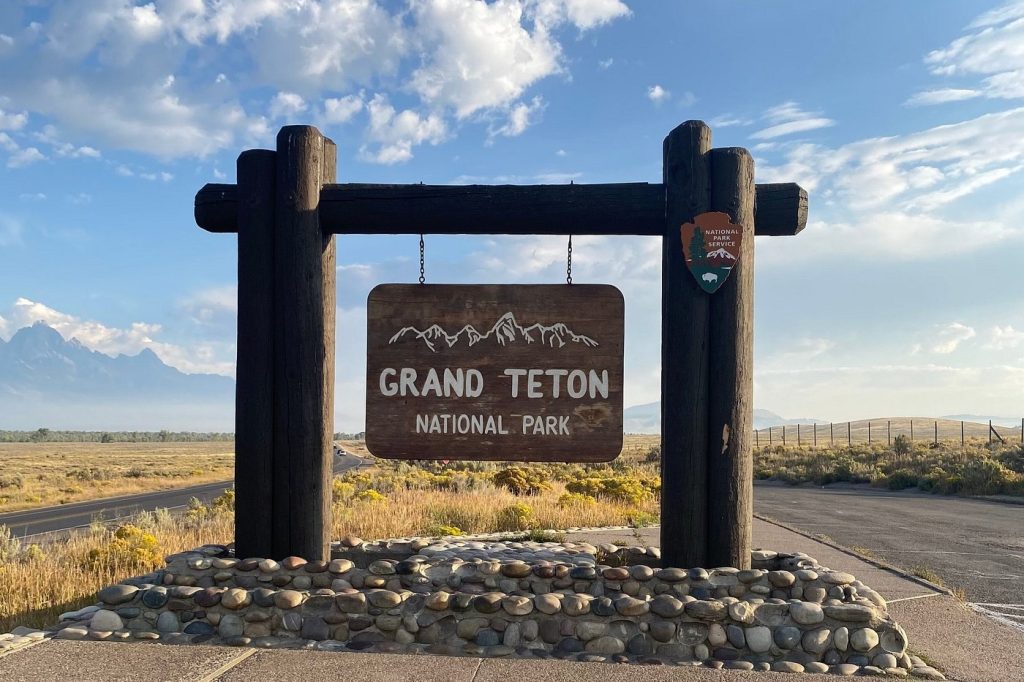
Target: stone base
x,y
486,597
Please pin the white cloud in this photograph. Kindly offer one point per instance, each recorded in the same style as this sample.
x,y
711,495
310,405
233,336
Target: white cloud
x,y
113,340
729,120
942,95
341,109
561,152
605,64
520,116
25,157
657,94
788,118
1001,338
286,105
32,196
396,133
13,121
583,14
150,86
950,336
481,55
989,54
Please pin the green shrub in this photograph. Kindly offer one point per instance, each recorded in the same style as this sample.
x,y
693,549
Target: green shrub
x,y
517,516
442,530
901,445
522,480
370,496
129,547
985,476
569,500
901,479
641,519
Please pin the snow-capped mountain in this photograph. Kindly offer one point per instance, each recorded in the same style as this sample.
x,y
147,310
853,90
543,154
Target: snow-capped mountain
x,y
505,331
722,254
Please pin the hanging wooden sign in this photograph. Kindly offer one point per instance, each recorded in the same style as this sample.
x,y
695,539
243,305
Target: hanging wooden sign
x,y
711,247
494,372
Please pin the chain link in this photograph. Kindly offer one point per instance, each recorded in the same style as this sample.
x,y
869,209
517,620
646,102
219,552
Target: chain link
x,y
423,278
568,264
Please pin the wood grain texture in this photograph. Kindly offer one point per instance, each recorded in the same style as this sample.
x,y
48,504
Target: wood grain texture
x,y
254,382
780,209
730,358
300,447
625,208
401,333
684,354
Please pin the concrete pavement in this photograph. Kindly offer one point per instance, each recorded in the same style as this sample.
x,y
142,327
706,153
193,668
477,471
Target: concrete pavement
x,y
975,545
968,646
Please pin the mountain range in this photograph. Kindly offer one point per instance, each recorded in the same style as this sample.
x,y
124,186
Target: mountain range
x,y
647,419
504,332
46,380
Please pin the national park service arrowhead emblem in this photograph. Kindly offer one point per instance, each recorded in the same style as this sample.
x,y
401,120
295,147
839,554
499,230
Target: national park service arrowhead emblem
x,y
711,248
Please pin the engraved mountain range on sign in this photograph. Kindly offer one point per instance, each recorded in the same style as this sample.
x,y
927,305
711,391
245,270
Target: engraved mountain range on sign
x,y
504,332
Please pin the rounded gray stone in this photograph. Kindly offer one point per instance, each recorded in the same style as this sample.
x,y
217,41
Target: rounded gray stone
x,y
107,621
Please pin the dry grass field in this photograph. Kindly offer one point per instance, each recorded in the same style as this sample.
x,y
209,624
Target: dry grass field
x,y
44,474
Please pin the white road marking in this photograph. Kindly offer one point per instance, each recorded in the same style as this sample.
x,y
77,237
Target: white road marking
x,y
1008,619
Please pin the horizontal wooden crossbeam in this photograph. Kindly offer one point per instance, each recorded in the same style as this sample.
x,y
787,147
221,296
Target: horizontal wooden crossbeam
x,y
609,209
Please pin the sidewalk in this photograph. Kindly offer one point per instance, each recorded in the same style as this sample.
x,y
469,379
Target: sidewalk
x,y
967,646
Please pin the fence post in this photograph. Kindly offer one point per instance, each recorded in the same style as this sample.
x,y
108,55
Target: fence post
x,y
769,435
911,430
869,432
254,382
757,439
303,355
798,443
831,435
888,433
936,431
783,434
731,361
685,341
849,437
815,444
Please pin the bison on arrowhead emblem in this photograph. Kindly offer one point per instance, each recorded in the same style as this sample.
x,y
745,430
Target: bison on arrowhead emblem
x,y
711,248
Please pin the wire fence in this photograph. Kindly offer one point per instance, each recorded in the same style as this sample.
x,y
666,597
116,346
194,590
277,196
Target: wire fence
x,y
886,431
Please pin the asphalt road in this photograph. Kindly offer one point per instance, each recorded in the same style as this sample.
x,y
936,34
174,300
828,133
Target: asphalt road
x,y
66,517
976,545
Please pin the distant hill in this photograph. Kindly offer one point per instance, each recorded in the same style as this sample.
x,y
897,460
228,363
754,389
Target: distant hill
x,y
647,419
48,381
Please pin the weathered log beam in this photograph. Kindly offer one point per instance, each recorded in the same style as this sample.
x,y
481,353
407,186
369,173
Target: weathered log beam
x,y
627,208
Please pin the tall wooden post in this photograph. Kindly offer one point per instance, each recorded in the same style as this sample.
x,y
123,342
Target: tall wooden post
x,y
684,355
731,360
254,383
303,347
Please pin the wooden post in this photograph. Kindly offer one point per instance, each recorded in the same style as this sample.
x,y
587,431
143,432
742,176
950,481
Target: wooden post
x,y
849,436
303,353
254,382
888,432
869,431
936,431
831,436
684,355
911,430
731,360
769,435
815,443
783,435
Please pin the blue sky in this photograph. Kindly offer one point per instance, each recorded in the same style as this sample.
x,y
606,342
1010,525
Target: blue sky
x,y
904,120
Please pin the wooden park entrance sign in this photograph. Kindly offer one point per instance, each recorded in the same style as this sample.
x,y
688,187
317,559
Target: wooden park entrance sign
x,y
531,372
286,209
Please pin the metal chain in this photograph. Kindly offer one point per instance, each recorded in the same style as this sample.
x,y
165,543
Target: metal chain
x,y
423,278
568,264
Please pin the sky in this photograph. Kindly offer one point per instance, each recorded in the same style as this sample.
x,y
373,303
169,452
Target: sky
x,y
904,121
